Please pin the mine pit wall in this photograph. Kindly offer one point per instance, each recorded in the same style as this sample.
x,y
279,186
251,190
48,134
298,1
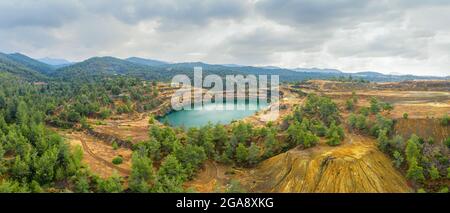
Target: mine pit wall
x,y
422,127
436,85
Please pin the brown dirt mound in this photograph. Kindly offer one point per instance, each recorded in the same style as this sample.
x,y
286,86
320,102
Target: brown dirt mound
x,y
356,166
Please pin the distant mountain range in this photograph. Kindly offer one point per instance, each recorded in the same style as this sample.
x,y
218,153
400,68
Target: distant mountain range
x,y
318,70
32,69
56,62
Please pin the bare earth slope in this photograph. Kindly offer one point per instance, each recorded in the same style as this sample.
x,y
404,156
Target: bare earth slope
x,y
356,166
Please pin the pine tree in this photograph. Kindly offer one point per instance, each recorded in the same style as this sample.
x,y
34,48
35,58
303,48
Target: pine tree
x,y
415,172
254,154
142,175
434,173
383,140
82,184
220,135
171,175
112,184
191,157
242,154
412,150
271,145
398,159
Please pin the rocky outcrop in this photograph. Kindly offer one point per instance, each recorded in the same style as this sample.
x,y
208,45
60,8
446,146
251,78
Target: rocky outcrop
x,y
110,139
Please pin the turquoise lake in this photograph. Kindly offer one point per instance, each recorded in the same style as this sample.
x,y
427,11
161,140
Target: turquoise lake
x,y
211,112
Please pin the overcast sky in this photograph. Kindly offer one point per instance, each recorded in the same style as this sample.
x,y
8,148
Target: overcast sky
x,y
389,36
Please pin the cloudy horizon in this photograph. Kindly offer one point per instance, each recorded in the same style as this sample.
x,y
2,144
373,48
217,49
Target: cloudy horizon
x,y
397,36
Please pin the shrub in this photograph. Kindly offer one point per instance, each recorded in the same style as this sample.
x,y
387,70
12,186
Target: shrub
x,y
448,173
117,160
115,145
444,190
447,142
349,105
405,115
398,159
421,190
374,105
434,173
105,113
445,121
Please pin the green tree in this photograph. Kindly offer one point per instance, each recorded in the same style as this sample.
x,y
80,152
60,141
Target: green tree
x,y
271,145
242,154
349,105
387,106
171,175
191,157
415,172
154,149
335,135
383,140
354,97
117,160
2,151
434,173
82,184
412,150
242,131
333,139
445,121
73,116
112,184
397,143
318,128
105,113
254,154
374,105
405,115
364,111
447,142
235,187
35,187
142,175
380,124
448,172
11,186
206,140
398,158
220,135
227,154
45,166
309,139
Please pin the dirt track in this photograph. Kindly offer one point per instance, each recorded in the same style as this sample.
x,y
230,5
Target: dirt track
x,y
107,163
98,155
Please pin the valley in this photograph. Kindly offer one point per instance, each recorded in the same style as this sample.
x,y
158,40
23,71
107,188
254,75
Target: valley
x,y
79,130
356,165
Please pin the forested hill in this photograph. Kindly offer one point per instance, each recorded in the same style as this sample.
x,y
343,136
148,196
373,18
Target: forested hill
x,y
105,66
31,63
10,66
31,69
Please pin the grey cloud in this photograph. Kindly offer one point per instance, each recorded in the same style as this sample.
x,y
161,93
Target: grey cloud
x,y
37,13
320,13
171,12
353,34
